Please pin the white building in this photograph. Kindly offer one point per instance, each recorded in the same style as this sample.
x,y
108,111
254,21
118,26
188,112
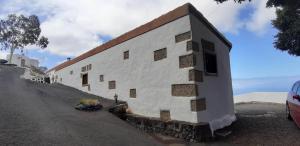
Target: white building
x,y
175,67
23,61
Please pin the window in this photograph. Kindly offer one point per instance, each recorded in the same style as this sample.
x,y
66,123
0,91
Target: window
x,y
132,93
126,55
86,68
183,37
84,79
89,67
60,79
101,78
160,54
210,58
83,69
112,85
298,91
295,87
210,63
71,72
165,115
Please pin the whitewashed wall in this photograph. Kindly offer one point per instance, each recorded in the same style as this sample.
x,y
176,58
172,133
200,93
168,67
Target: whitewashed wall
x,y
152,79
16,59
216,89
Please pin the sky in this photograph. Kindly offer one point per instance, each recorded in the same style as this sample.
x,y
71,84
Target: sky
x,y
76,26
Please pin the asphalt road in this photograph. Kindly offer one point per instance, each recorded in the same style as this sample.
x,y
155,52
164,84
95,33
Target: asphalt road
x,y
38,114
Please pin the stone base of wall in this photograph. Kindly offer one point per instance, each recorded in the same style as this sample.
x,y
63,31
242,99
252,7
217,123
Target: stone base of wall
x,y
188,131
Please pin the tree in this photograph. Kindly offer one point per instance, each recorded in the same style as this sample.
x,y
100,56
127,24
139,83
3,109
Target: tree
x,y
287,23
18,31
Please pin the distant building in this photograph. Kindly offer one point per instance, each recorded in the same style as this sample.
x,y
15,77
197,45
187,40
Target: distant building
x,y
23,61
176,67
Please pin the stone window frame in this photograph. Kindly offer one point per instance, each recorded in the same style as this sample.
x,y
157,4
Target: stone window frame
x,y
198,105
178,90
101,78
132,93
164,113
86,68
194,60
183,36
160,54
126,55
196,75
192,46
112,84
209,48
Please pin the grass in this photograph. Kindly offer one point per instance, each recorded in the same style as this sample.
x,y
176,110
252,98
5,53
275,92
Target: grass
x,y
93,102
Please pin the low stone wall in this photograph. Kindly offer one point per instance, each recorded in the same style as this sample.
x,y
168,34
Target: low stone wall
x,y
188,131
183,130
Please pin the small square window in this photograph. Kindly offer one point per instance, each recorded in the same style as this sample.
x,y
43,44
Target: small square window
x,y
165,115
112,85
89,67
101,78
160,54
126,55
83,69
132,93
183,37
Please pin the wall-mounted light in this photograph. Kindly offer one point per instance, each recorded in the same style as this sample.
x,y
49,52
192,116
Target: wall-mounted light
x,y
116,98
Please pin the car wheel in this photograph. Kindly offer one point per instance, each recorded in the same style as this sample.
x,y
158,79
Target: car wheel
x,y
288,113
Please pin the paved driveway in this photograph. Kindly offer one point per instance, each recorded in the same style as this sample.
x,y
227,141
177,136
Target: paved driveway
x,y
38,114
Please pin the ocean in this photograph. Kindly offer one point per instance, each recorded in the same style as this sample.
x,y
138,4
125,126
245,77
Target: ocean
x,y
267,84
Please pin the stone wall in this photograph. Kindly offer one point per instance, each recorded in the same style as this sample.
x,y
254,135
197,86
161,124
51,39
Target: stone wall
x,y
183,130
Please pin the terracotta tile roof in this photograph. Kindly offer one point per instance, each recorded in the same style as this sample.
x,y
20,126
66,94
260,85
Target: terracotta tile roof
x,y
175,14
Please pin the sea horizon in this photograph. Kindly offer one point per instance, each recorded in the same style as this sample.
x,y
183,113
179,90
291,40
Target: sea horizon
x,y
263,84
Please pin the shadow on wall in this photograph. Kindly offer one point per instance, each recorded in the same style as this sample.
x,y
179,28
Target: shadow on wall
x,y
271,84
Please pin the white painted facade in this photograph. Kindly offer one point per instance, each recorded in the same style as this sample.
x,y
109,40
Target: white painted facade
x,y
153,80
18,59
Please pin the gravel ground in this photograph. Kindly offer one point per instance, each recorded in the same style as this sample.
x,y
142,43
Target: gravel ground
x,y
40,114
260,124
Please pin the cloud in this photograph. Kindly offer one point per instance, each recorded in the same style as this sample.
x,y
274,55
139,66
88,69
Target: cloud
x,y
74,26
261,17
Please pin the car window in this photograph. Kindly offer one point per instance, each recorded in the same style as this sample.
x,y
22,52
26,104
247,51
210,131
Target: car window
x,y
295,87
298,91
